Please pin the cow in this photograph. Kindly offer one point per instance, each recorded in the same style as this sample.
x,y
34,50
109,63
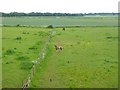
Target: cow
x,y
58,48
63,29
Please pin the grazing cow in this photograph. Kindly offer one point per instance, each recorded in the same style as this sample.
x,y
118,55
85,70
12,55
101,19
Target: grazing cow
x,y
63,29
50,80
57,47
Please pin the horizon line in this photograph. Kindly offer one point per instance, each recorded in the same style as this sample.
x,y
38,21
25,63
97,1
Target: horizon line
x,y
60,12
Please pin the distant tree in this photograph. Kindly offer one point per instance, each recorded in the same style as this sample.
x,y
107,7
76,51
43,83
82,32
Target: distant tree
x,y
50,26
16,14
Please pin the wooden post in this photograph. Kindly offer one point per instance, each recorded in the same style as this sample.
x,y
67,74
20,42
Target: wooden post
x,y
33,69
22,83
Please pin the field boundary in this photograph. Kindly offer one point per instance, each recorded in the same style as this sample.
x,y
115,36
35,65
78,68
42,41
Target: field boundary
x,y
25,83
66,26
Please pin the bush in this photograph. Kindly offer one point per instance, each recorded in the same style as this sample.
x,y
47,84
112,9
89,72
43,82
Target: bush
x,y
18,38
109,37
18,25
26,65
33,48
39,43
42,33
22,58
50,26
9,52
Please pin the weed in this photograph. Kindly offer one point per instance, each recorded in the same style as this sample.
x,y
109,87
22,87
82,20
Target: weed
x,y
22,58
9,52
26,65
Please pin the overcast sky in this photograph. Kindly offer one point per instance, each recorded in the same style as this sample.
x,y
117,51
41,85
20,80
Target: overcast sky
x,y
64,6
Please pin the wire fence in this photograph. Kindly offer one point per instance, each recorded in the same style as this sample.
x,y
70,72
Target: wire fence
x,y
25,83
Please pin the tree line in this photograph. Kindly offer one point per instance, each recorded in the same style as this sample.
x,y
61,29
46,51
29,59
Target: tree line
x,y
15,14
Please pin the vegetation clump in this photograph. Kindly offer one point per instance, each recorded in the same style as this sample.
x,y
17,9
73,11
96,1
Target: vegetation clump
x,y
18,25
26,65
50,26
9,52
42,33
33,48
22,58
18,38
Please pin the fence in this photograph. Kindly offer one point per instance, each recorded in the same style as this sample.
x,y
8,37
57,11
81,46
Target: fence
x,y
26,82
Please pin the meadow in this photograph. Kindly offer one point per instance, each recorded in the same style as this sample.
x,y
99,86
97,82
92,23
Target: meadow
x,y
89,58
21,46
0,57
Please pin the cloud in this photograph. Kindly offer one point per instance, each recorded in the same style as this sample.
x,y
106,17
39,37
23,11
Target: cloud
x,y
69,6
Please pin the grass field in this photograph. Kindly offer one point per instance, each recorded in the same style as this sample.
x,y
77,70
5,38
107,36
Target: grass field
x,y
63,21
89,58
0,57
21,46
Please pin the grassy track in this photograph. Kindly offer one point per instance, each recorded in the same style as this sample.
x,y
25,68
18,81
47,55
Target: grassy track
x,y
89,59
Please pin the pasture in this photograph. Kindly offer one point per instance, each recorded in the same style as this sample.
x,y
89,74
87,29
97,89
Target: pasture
x,y
0,57
21,46
89,58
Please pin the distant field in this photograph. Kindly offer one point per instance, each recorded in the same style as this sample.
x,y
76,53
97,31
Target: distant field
x,y
62,21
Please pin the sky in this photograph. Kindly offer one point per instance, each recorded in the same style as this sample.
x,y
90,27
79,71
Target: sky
x,y
62,6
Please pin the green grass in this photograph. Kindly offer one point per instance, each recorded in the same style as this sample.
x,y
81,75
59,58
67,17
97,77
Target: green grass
x,y
89,59
20,46
62,21
0,58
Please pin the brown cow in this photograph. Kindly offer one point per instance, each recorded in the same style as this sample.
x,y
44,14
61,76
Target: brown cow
x,y
58,48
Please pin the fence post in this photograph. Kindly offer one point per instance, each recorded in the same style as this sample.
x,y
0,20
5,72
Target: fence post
x,y
32,72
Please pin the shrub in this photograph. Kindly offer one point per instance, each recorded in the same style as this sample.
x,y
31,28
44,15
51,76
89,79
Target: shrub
x,y
18,38
50,26
9,62
42,33
18,25
26,65
33,48
25,33
109,37
39,42
22,58
9,52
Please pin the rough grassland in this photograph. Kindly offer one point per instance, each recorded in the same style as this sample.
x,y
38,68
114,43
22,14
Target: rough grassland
x,y
21,46
89,59
0,57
